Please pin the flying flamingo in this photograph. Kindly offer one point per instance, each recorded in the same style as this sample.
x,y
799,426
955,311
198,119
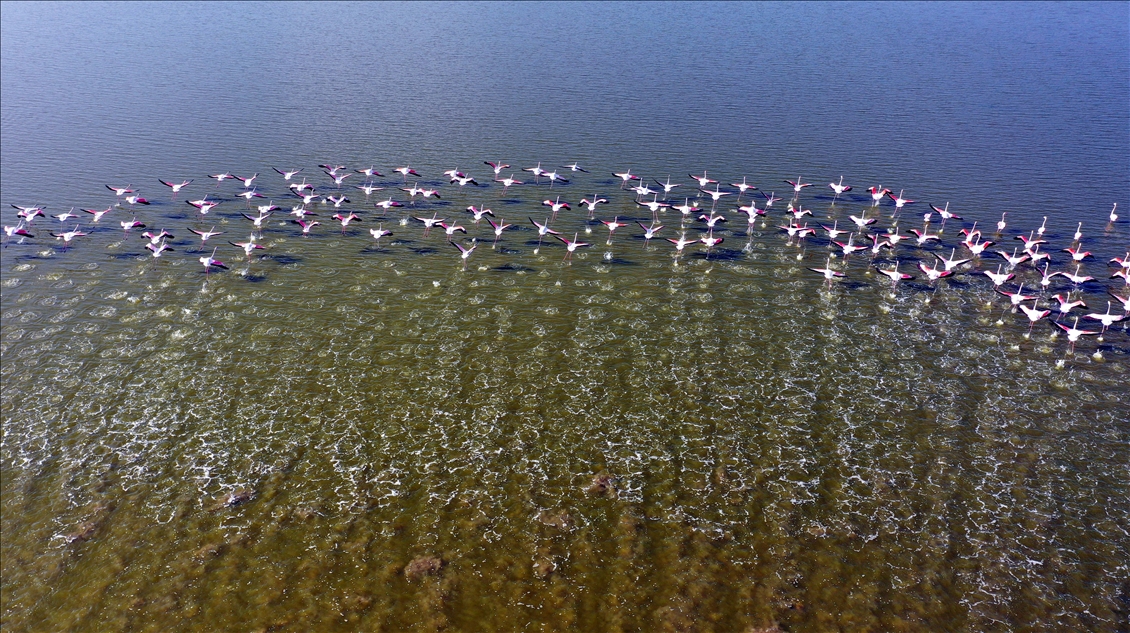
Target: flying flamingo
x,y
1074,333
204,235
571,245
555,205
1034,314
839,188
10,231
797,186
176,187
1107,319
378,233
430,222
877,194
464,253
591,204
626,177
209,261
612,226
345,219
67,236
498,229
543,230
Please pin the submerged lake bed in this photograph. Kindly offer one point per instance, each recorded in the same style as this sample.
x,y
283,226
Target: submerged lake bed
x,y
344,433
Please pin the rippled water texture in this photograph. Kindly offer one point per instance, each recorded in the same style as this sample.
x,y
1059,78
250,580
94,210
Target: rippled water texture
x,y
343,435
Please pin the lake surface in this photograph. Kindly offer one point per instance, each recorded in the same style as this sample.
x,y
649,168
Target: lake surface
x,y
344,434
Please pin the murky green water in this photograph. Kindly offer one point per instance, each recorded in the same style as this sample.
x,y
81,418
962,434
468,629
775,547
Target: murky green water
x,y
339,437
346,438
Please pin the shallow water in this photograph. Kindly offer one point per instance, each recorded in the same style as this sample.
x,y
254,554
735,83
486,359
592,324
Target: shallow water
x,y
345,436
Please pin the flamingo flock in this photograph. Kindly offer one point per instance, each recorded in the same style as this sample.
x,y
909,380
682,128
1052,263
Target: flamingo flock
x,y
1034,261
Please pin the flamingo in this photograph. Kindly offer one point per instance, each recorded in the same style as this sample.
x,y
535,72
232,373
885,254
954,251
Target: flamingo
x,y
680,243
175,186
219,177
131,224
210,260
1013,259
378,233
1066,305
67,236
952,262
406,170
450,229
98,213
828,272
555,205
10,231
299,187
877,194
716,195
703,180
464,252
797,186
204,235
387,204
1107,319
247,246
159,249
1043,227
507,182
710,241
306,226
1077,254
1125,301
368,188
1045,277
626,177
1075,277
571,245
900,202
649,231
654,206
575,167
66,215
945,213
497,167
612,226
553,177
1034,314
743,187
998,277
121,191
543,230
430,222
1002,223
667,186
834,231
893,274
370,172
479,212
1074,333
498,229
246,181
591,204
157,237
1113,216
839,188
537,172
288,174
345,219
